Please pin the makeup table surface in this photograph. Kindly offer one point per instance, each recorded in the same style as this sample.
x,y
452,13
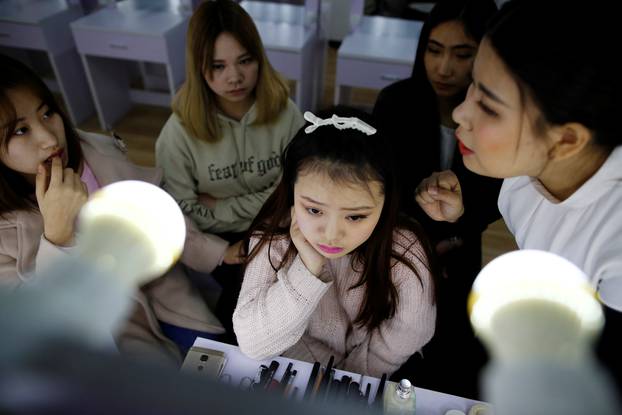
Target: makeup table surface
x,y
238,366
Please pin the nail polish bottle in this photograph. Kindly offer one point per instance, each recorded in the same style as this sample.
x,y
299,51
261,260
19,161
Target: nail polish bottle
x,y
399,398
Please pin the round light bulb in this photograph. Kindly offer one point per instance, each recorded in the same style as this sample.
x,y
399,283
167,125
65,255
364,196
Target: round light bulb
x,y
131,228
531,303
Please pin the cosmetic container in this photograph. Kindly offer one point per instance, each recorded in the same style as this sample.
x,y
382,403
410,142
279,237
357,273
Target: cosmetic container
x,y
399,398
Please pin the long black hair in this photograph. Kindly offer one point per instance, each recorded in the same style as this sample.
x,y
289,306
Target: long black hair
x,y
15,191
348,156
408,111
557,51
474,16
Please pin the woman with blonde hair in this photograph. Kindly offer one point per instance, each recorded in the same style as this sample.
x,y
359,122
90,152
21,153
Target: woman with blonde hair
x,y
220,148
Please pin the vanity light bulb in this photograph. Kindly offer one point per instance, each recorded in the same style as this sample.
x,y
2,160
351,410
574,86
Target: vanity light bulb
x,y
132,229
530,304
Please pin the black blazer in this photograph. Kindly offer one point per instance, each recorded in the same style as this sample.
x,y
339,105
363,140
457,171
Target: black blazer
x,y
412,129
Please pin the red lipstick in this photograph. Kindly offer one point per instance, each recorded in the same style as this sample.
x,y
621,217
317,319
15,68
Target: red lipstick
x,y
464,150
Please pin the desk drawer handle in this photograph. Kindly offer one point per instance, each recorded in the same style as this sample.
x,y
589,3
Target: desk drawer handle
x,y
5,35
390,77
116,46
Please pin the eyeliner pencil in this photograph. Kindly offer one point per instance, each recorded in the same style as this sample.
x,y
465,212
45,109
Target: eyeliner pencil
x,y
367,391
290,381
312,378
345,382
326,377
378,400
318,382
286,375
263,376
328,384
274,365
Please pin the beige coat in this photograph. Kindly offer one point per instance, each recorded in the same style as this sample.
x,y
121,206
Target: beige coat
x,y
171,298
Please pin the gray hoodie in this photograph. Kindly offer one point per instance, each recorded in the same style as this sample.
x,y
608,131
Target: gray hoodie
x,y
240,170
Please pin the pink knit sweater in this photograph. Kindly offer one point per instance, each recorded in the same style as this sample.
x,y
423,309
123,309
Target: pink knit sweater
x,y
295,314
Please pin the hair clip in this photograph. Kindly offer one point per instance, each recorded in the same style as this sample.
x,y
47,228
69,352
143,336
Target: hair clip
x,y
339,122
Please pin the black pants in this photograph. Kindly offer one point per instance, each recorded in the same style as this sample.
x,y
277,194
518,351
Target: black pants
x,y
229,277
609,346
453,360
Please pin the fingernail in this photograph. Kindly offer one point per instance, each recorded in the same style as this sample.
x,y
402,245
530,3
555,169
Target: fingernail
x,y
433,190
40,169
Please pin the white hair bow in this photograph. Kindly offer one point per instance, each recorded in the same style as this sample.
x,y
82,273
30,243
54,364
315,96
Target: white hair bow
x,y
339,122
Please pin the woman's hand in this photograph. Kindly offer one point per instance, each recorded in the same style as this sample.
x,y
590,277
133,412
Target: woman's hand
x,y
234,254
59,201
207,200
440,196
312,259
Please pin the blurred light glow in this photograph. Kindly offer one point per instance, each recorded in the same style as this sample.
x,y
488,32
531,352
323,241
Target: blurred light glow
x,y
142,210
533,275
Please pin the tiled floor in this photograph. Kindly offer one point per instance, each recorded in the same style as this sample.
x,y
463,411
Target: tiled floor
x,y
141,127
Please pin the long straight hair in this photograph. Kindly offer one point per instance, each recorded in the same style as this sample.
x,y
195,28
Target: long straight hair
x,y
350,157
16,193
474,15
195,103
